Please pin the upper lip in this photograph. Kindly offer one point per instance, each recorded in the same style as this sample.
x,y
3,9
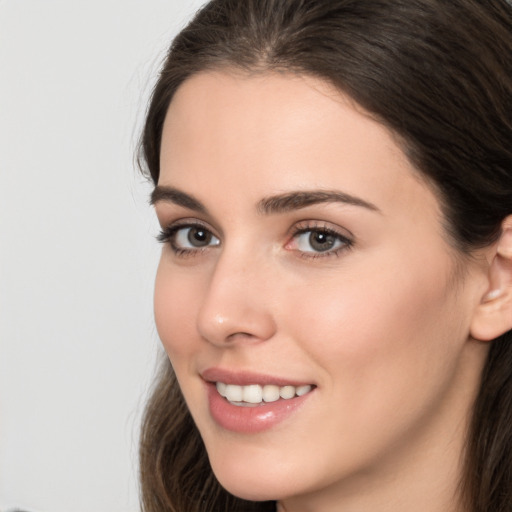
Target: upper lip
x,y
245,378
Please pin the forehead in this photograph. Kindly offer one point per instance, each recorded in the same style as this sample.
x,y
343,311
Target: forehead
x,y
224,107
278,132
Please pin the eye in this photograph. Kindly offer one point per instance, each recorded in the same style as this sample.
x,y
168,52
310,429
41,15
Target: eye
x,y
194,237
188,238
316,241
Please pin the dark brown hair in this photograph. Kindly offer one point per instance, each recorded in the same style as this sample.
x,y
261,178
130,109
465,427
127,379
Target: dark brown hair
x,y
438,74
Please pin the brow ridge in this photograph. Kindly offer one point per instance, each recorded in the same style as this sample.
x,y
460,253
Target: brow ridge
x,y
173,195
276,204
302,199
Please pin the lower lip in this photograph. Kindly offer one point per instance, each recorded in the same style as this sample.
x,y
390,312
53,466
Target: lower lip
x,y
250,420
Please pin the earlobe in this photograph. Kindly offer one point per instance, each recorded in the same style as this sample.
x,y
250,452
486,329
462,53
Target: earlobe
x,y
493,316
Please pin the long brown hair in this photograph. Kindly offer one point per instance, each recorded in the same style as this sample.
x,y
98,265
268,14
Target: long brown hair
x,y
437,73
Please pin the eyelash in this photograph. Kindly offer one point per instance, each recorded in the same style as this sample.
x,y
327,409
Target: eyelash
x,y
320,228
168,235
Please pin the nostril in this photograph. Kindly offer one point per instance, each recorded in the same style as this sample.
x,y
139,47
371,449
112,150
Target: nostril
x,y
241,334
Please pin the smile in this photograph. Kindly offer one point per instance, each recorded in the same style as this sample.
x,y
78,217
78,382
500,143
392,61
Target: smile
x,y
255,394
247,402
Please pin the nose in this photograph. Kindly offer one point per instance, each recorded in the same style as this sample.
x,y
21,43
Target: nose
x,y
237,305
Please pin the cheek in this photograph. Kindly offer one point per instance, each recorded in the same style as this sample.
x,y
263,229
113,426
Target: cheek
x,y
382,330
174,303
385,350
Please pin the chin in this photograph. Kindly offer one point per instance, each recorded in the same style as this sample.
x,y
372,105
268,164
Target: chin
x,y
245,480
251,490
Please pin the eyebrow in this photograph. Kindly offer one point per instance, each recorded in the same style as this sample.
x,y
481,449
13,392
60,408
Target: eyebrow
x,y
301,199
280,203
173,195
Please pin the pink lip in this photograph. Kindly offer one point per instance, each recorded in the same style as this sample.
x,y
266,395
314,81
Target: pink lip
x,y
248,420
247,378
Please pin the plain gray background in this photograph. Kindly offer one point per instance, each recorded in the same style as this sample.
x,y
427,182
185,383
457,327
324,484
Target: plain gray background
x,y
77,254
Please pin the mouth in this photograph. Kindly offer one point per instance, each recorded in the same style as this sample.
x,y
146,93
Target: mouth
x,y
247,403
254,395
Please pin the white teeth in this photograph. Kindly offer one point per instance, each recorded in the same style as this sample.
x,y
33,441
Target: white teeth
x,y
234,393
221,388
270,393
287,392
255,394
252,394
302,390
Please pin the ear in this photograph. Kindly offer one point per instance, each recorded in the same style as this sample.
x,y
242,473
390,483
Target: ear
x,y
493,316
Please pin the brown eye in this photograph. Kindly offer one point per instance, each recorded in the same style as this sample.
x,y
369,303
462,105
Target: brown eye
x,y
193,237
199,237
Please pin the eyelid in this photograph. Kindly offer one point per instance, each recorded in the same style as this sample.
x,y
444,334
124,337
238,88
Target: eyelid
x,y
302,227
187,222
168,232
343,236
321,225
169,215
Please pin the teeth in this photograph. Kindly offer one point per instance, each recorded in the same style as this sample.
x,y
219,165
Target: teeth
x,y
234,393
287,392
255,394
270,393
302,390
221,388
252,394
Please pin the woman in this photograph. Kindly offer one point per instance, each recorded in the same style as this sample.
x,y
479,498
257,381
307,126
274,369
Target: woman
x,y
333,179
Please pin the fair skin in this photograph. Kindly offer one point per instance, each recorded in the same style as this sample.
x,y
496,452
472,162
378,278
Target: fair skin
x,y
359,295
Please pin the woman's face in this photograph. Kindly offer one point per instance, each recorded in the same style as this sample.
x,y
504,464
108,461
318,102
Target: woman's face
x,y
303,255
